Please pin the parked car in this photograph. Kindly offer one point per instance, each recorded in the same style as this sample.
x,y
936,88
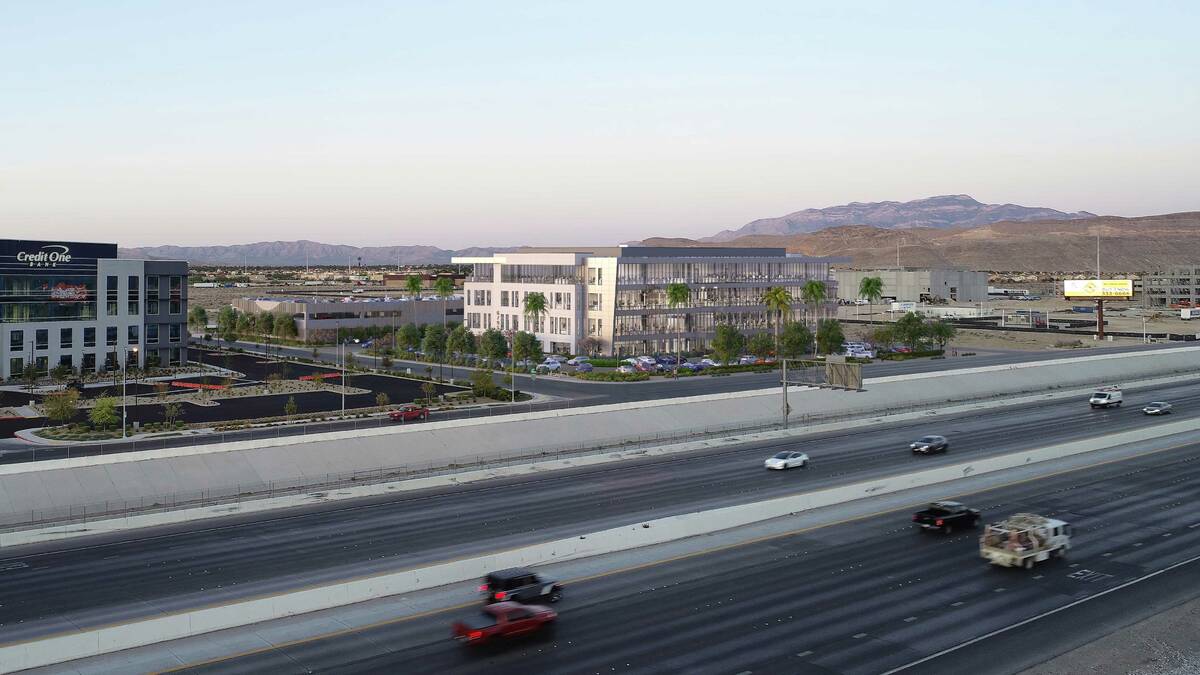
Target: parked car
x,y
787,460
578,360
550,365
928,445
584,367
633,360
504,620
1157,408
519,584
558,358
945,516
644,367
694,367
626,369
747,360
708,362
668,360
409,413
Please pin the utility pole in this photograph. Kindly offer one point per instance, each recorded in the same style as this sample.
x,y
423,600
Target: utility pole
x,y
785,386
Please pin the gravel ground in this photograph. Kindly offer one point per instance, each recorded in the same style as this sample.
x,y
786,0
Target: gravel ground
x,y
1165,644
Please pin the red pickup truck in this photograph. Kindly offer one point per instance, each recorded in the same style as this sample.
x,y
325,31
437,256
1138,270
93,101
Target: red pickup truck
x,y
504,620
409,413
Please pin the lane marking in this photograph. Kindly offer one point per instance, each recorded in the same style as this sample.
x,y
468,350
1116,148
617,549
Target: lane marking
x,y
624,570
1043,615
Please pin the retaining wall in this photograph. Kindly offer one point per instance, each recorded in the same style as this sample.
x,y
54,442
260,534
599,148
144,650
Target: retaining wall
x,y
82,644
59,487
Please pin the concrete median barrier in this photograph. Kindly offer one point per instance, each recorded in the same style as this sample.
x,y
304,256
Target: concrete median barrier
x,y
81,644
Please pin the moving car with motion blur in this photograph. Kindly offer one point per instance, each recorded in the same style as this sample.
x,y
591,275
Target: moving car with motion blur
x,y
945,516
928,445
504,620
787,460
518,584
1157,408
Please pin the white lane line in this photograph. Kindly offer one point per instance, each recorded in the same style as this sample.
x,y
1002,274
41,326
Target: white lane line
x,y
910,619
805,653
960,603
13,566
859,636
1043,615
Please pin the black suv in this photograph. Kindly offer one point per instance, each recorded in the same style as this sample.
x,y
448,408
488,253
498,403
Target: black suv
x,y
519,585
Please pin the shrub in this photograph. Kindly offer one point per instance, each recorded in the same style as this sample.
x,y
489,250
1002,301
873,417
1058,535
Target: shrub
x,y
613,377
905,356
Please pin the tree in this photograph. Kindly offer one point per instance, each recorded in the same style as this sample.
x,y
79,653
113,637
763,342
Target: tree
x,y
443,287
413,286
941,332
535,307
30,375
492,345
678,295
103,413
813,294
410,336
285,327
526,346
456,345
382,400
590,345
829,336
779,302
728,343
761,345
430,391
795,341
265,323
434,344
910,330
883,336
386,360
171,412
197,318
871,290
61,406
290,408
227,323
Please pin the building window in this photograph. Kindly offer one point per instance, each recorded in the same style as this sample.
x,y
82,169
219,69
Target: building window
x,y
89,337
133,335
175,356
111,296
152,287
176,307
504,298
16,365
595,276
110,361
42,338
16,341
152,334
110,335
64,361
43,365
488,296
65,338
134,301
151,307
175,332
89,362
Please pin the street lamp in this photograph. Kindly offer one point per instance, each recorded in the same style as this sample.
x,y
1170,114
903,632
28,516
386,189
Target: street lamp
x,y
124,398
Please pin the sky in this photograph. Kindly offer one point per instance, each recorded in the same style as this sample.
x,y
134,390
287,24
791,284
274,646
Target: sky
x,y
457,123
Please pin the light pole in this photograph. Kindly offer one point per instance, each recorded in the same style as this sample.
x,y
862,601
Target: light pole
x,y
340,356
124,397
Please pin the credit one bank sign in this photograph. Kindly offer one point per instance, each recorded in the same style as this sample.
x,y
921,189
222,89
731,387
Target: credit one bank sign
x,y
49,255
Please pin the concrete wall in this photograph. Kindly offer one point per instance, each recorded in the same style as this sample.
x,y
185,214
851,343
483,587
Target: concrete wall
x,y
81,644
56,488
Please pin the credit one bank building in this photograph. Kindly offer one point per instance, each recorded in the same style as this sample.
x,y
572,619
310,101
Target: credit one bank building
x,y
77,305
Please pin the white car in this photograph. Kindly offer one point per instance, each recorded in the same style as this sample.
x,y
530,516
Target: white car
x,y
787,460
709,362
626,369
578,360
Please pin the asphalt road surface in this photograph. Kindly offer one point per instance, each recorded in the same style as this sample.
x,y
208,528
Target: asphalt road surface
x,y
126,575
862,597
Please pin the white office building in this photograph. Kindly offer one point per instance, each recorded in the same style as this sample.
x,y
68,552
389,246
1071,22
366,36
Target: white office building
x,y
616,296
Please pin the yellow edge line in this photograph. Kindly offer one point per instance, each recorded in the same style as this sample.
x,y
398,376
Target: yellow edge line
x,y
653,563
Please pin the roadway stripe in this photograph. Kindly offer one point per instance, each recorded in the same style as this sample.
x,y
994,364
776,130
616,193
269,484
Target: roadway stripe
x,y
693,554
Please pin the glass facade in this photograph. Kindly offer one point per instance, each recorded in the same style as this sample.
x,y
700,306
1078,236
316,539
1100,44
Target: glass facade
x,y
48,297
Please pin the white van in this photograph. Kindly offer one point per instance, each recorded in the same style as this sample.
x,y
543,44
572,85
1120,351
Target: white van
x,y
1108,396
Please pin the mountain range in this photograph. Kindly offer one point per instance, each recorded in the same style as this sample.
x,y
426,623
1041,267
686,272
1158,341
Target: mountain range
x,y
945,211
291,253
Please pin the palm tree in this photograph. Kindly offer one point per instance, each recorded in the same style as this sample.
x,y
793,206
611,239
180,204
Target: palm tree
x,y
678,295
778,301
813,293
444,288
412,285
871,290
534,309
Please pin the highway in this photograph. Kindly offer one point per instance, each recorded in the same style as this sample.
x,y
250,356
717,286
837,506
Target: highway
x,y
48,587
861,597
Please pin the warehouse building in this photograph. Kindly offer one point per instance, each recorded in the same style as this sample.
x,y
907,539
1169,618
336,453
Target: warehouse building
x,y
319,319
78,306
916,284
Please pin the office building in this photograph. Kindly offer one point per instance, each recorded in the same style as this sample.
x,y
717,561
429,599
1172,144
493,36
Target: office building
x,y
916,284
615,297
318,319
77,305
1177,286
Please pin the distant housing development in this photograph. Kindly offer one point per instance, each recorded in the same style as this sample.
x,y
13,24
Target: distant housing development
x,y
320,318
617,295
917,284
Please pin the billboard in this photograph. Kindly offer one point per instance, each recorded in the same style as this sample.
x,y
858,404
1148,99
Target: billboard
x,y
1100,289
24,257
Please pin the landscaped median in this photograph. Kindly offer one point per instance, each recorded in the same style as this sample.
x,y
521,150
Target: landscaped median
x,y
81,644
